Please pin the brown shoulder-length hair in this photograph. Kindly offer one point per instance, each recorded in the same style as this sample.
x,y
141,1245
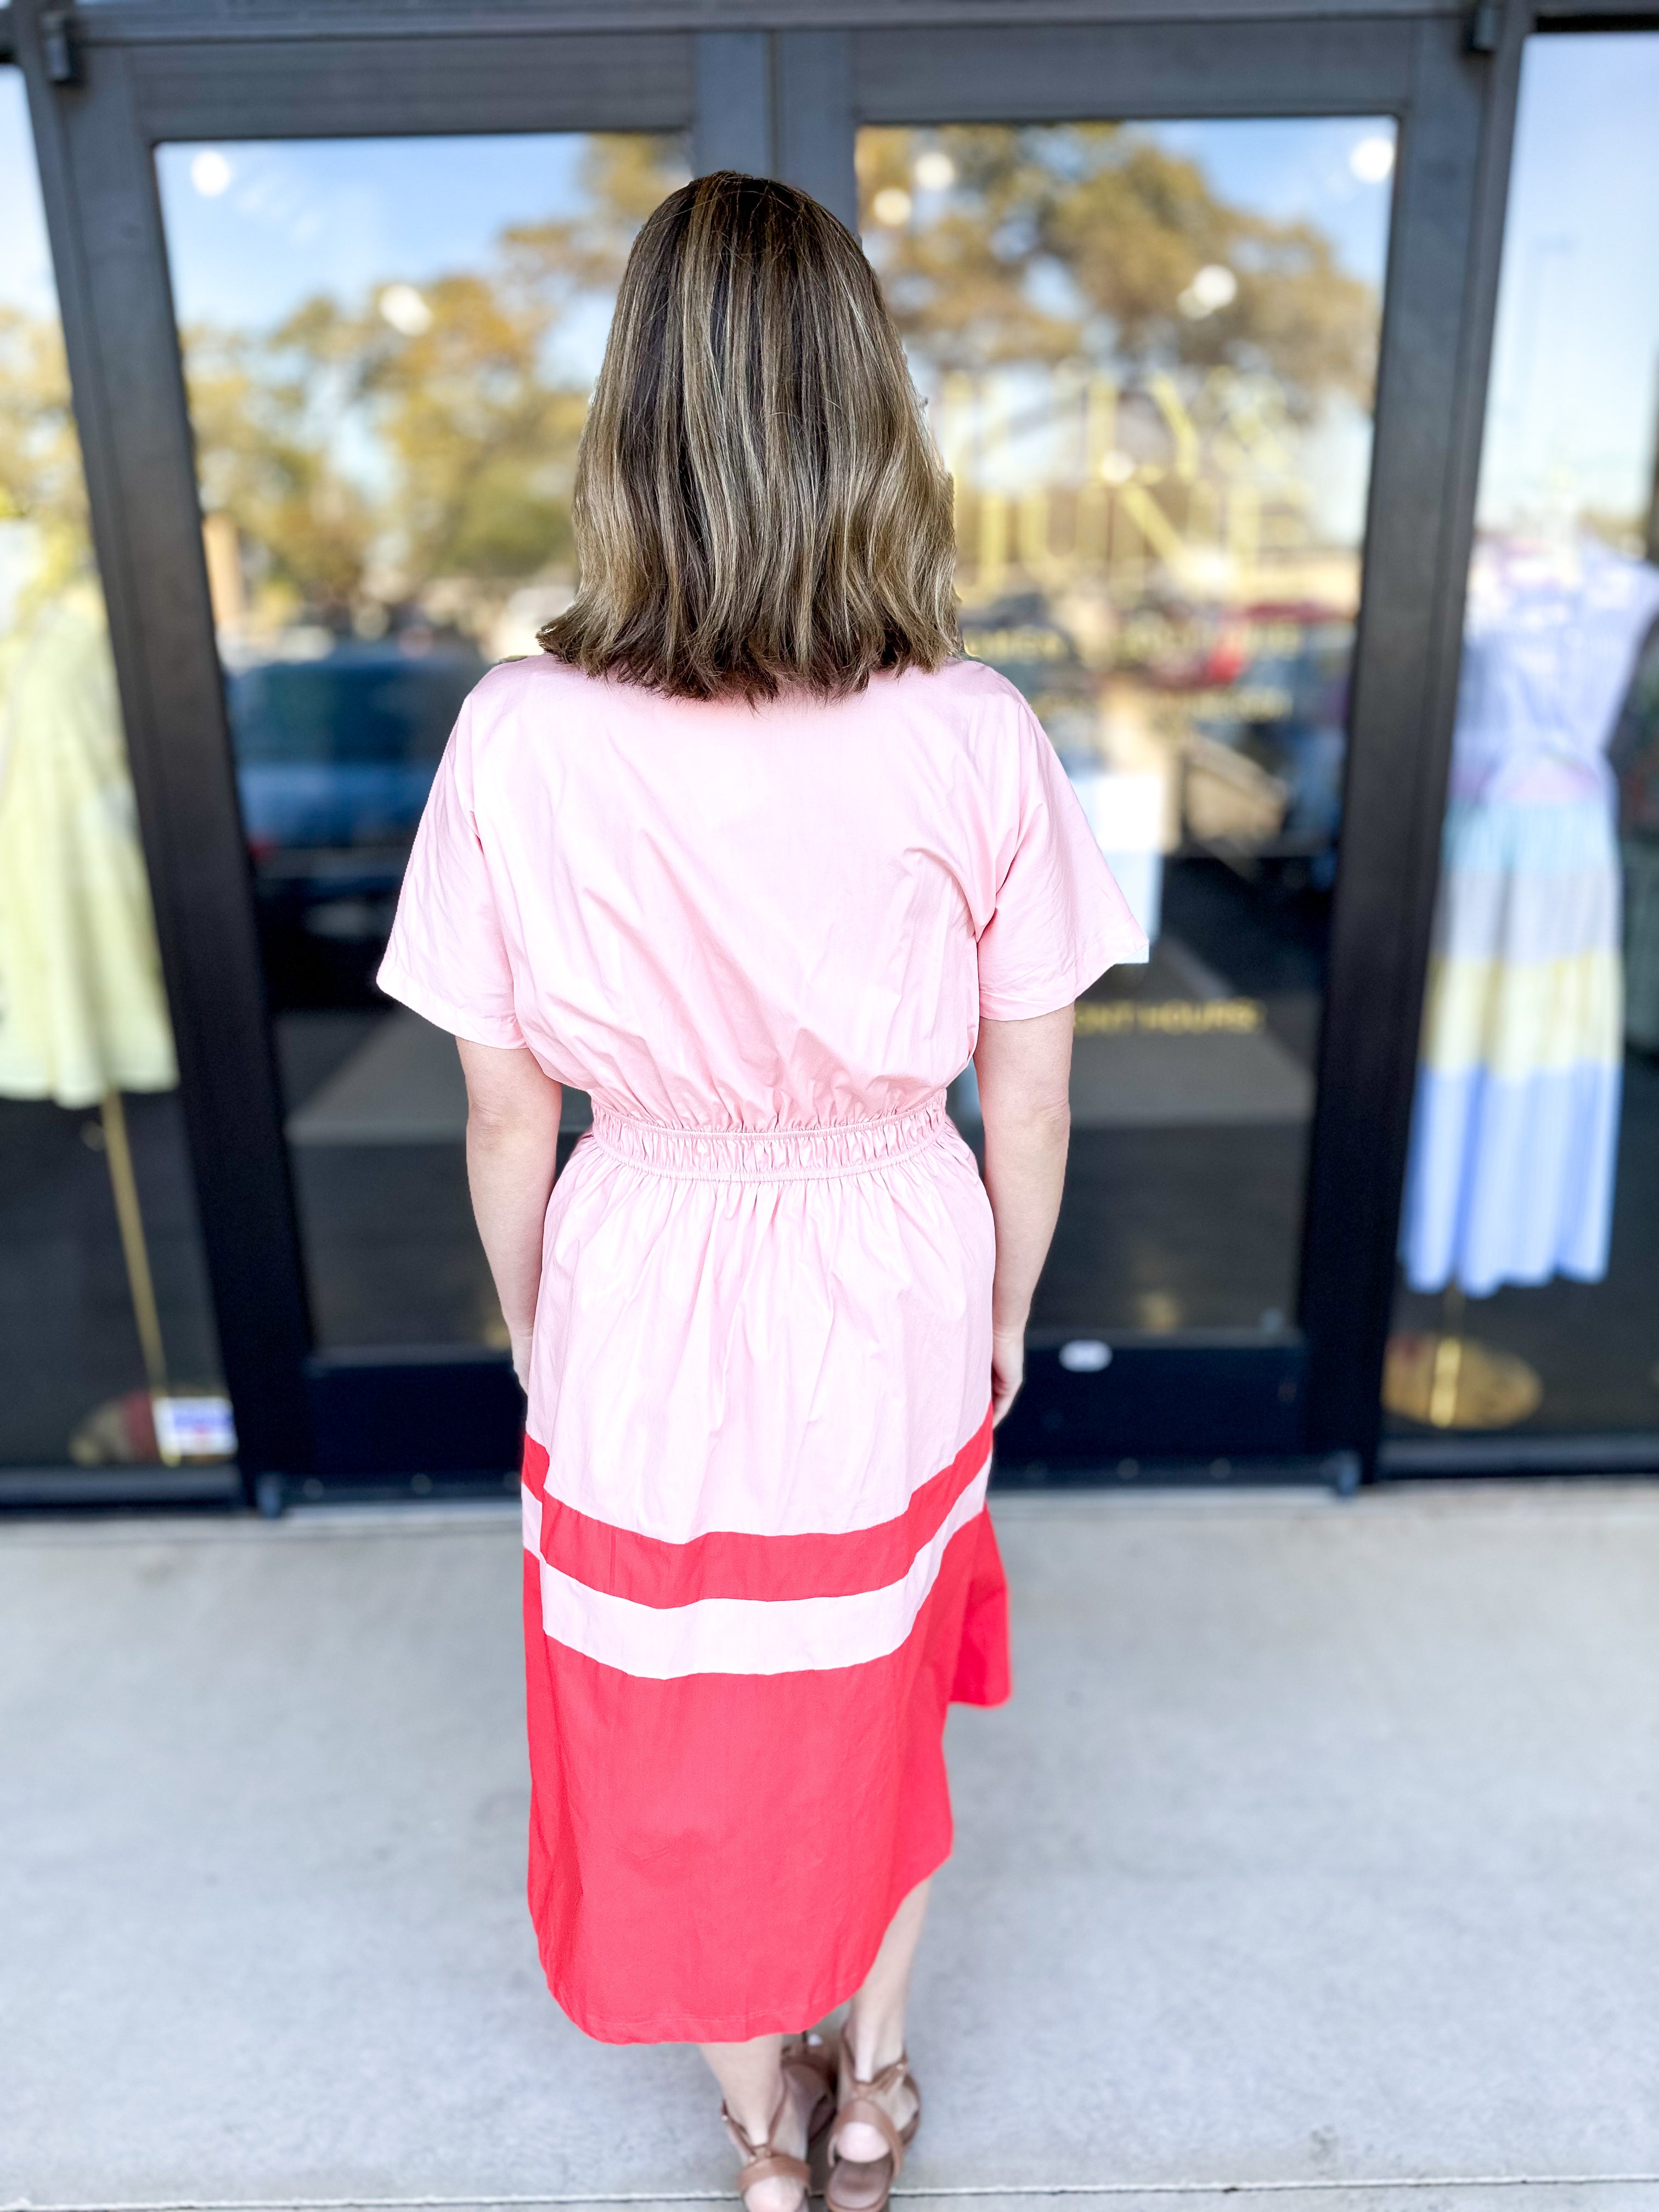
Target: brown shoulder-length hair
x,y
758,506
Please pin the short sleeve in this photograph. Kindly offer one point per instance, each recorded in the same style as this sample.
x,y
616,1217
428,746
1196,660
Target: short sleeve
x,y
447,958
1061,920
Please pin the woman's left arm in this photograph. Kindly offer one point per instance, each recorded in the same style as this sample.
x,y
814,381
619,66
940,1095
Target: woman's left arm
x,y
511,1150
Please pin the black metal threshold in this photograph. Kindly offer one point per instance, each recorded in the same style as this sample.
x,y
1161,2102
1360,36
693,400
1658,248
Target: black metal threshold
x,y
1617,1454
36,1489
1334,1471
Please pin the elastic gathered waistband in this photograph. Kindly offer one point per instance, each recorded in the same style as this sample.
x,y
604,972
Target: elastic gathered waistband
x,y
817,1152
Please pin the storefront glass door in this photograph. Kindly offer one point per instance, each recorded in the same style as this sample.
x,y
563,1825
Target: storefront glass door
x,y
388,345
1149,352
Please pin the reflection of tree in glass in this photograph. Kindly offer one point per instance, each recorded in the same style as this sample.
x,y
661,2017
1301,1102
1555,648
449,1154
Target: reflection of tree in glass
x,y
1055,241
40,479
1151,401
418,436
1121,365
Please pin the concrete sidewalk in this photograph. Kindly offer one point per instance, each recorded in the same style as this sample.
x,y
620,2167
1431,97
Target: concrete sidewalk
x,y
1319,1851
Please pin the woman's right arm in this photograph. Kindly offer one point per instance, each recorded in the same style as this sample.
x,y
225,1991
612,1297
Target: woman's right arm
x,y
1024,1092
512,1151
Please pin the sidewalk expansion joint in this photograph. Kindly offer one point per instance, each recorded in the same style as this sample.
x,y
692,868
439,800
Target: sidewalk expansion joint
x,y
1320,2187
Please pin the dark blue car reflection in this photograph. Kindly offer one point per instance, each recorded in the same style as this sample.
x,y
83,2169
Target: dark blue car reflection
x,y
335,756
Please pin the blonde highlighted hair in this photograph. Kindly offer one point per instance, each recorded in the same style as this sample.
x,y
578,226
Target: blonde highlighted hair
x,y
758,506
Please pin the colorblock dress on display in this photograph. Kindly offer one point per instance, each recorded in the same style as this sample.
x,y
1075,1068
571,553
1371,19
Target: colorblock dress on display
x,y
758,1561
1515,1136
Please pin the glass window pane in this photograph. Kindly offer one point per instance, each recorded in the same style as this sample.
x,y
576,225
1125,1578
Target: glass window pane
x,y
389,345
1530,1264
108,1343
1148,352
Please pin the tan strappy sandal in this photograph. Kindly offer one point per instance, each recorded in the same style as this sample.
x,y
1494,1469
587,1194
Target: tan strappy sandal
x,y
866,2185
810,2058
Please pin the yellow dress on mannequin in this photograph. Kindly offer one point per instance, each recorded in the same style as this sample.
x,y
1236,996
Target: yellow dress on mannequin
x,y
82,1011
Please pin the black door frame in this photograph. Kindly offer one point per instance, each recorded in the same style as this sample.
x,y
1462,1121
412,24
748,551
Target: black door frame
x,y
755,91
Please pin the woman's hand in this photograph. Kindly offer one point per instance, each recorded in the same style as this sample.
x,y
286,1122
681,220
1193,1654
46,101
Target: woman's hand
x,y
1007,1369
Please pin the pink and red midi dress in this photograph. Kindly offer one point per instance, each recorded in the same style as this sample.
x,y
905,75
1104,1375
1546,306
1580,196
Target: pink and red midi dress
x,y
757,1562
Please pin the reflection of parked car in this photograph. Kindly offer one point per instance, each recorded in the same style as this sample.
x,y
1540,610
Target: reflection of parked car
x,y
1278,707
335,756
1260,695
340,750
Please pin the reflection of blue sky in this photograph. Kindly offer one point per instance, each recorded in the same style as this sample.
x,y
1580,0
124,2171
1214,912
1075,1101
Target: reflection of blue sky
x,y
1295,169
1575,389
25,266
342,215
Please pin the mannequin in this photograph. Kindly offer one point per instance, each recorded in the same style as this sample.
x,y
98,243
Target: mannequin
x,y
1514,1135
83,1017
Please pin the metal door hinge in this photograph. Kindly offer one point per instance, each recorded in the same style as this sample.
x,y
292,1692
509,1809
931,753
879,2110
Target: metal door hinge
x,y
1483,27
60,47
